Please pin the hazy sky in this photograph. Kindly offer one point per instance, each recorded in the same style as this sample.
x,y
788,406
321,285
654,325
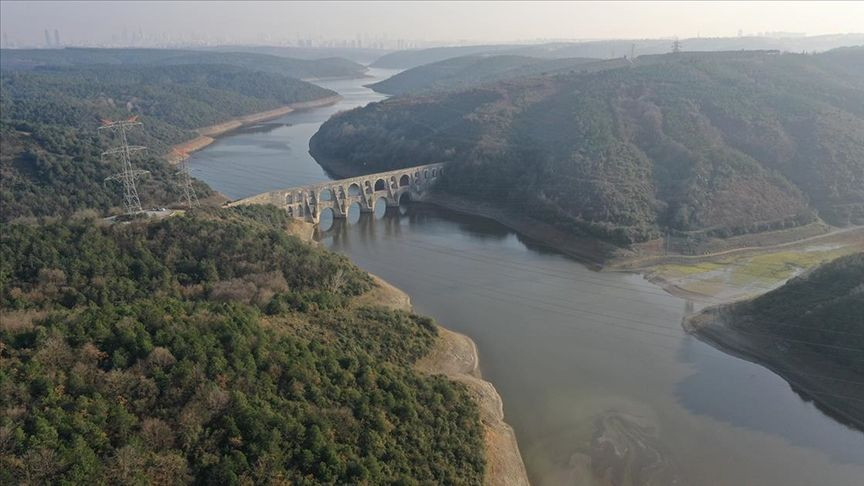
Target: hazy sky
x,y
24,22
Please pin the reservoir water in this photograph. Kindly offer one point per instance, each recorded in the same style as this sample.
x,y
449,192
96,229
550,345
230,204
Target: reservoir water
x,y
598,379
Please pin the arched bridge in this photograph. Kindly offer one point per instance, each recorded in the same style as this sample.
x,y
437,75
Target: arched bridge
x,y
308,202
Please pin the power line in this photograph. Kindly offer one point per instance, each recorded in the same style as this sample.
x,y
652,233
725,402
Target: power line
x,y
638,320
567,311
649,289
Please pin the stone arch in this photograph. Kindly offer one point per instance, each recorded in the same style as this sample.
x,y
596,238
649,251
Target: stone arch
x,y
404,180
290,211
426,173
434,173
380,185
289,198
355,190
327,194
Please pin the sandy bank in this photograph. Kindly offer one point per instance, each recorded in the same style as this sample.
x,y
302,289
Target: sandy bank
x,y
455,356
207,135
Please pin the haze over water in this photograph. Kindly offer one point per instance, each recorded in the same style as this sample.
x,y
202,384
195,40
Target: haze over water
x,y
588,364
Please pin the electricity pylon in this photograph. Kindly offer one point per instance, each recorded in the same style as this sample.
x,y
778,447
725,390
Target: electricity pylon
x,y
186,181
128,175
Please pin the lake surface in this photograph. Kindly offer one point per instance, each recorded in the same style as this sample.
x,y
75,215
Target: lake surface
x,y
598,379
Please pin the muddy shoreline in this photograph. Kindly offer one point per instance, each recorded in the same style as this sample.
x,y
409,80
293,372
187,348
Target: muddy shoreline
x,y
812,377
209,134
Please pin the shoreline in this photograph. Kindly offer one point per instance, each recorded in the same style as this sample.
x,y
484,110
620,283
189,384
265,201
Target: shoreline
x,y
795,371
591,252
207,135
845,406
455,356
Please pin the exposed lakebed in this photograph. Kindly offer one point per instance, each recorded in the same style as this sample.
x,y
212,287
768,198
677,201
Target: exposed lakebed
x,y
598,378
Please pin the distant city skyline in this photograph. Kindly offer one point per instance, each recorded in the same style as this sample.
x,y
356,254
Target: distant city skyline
x,y
394,25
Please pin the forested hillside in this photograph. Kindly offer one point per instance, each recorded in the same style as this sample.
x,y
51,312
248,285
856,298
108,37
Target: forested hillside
x,y
469,71
213,348
49,119
811,327
295,68
697,144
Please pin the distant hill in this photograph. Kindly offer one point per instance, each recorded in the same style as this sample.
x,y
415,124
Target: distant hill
x,y
468,71
608,49
698,144
295,68
50,162
360,55
813,326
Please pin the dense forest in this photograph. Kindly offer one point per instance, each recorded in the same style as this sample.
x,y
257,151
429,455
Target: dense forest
x,y
19,59
695,144
213,348
469,71
50,161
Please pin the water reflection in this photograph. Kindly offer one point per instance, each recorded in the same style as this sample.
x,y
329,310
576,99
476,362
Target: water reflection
x,y
739,393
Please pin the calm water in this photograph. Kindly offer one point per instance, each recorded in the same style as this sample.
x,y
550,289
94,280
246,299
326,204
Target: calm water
x,y
597,377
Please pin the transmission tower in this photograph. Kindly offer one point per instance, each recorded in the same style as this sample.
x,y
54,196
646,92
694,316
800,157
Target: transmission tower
x,y
186,181
128,175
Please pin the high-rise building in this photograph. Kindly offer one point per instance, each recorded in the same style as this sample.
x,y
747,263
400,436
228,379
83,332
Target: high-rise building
x,y
47,39
56,38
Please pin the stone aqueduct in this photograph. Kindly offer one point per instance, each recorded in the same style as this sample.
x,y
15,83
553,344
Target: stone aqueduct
x,y
308,202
